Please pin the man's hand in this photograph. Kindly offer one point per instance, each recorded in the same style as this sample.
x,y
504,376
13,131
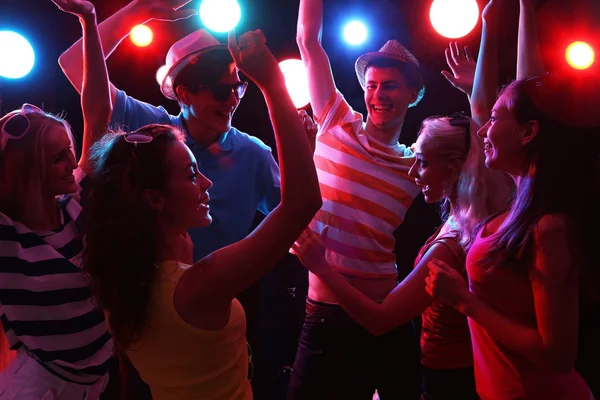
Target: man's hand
x,y
253,58
79,8
310,127
310,249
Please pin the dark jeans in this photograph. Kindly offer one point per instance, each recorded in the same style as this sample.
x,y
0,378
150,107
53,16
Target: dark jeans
x,y
448,384
339,359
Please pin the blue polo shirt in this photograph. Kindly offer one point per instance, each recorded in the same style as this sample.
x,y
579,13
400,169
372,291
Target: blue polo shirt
x,y
244,174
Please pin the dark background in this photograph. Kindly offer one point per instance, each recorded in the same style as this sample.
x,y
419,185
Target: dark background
x,y
275,305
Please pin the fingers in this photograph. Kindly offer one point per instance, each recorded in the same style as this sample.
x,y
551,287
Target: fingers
x,y
455,53
449,60
429,286
295,249
467,55
260,37
232,45
303,117
183,14
177,4
324,233
449,76
436,266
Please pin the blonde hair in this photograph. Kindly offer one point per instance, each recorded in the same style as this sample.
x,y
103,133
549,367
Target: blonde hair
x,y
477,191
23,168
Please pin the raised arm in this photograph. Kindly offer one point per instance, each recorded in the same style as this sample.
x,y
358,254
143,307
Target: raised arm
x,y
116,28
529,55
486,83
95,95
215,280
321,86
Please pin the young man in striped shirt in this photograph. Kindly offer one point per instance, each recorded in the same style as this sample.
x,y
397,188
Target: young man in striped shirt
x,y
366,190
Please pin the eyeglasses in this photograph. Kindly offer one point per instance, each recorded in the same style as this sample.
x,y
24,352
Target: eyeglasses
x,y
17,125
221,91
462,120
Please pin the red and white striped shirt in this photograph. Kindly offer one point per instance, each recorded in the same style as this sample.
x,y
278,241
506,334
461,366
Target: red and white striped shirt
x,y
366,193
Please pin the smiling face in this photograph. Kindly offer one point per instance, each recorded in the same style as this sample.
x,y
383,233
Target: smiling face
x,y
431,174
504,138
214,114
387,96
185,200
59,162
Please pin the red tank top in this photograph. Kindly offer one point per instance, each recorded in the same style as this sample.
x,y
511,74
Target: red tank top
x,y
445,338
500,373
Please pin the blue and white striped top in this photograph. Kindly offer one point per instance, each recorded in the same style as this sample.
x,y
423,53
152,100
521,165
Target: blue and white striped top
x,y
45,302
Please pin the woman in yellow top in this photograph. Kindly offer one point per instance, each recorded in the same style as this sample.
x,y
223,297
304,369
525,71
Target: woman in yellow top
x,y
180,324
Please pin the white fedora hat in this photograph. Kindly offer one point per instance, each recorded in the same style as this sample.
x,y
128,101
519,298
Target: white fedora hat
x,y
392,50
182,53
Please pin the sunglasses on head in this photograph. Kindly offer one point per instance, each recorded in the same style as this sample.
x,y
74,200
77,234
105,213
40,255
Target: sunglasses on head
x,y
462,120
17,125
145,134
221,91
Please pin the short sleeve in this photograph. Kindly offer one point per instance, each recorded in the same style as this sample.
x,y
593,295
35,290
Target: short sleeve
x,y
270,183
337,111
132,114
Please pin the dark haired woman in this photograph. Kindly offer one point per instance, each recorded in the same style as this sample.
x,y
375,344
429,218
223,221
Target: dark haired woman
x,y
180,324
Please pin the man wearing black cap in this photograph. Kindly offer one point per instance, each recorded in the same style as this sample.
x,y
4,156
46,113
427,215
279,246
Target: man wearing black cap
x,y
366,190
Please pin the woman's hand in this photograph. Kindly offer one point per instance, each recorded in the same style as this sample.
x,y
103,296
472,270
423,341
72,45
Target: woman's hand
x,y
445,284
310,249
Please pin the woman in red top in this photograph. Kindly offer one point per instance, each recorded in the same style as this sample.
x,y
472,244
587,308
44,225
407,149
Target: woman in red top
x,y
525,264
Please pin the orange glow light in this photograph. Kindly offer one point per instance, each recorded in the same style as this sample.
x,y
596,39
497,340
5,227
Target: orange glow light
x,y
141,35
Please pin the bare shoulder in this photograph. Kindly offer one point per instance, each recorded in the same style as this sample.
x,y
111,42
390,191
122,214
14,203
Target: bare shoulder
x,y
442,252
553,247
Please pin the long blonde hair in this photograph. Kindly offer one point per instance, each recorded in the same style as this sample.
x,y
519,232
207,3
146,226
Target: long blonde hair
x,y
477,191
23,169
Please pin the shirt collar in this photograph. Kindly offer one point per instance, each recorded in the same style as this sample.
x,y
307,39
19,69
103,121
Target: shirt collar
x,y
222,144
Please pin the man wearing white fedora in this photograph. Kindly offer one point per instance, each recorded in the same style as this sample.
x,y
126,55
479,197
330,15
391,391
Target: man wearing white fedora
x,y
203,79
366,189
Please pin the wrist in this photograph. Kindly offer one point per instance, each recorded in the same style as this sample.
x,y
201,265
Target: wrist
x,y
138,13
88,18
466,303
275,83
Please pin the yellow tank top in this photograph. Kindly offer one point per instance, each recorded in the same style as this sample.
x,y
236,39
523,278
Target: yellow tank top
x,y
181,362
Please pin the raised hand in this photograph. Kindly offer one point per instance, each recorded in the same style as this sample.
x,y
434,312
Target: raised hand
x,y
165,10
79,8
310,127
462,66
445,284
253,58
